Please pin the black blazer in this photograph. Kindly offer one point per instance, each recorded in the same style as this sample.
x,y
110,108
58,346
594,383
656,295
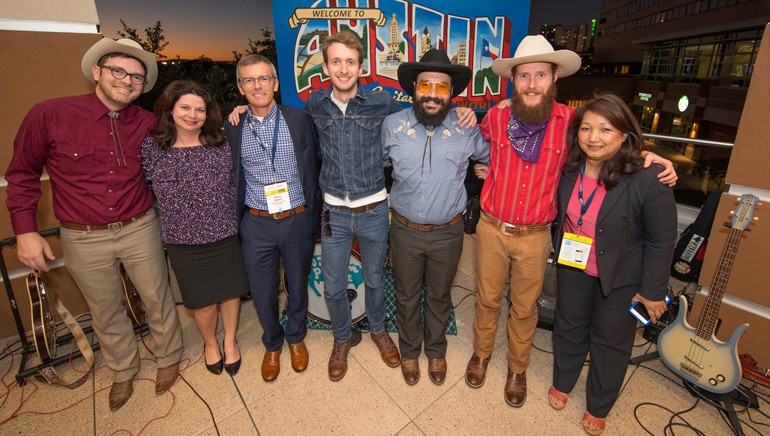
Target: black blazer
x,y
305,141
635,232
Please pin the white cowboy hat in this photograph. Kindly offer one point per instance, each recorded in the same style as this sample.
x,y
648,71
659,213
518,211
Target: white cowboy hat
x,y
535,48
126,46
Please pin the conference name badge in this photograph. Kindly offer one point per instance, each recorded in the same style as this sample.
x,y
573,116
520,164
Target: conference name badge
x,y
277,197
574,250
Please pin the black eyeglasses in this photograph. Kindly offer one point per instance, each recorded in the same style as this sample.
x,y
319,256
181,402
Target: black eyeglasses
x,y
120,73
327,226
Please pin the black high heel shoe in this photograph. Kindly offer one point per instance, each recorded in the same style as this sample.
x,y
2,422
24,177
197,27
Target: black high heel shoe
x,y
232,368
215,368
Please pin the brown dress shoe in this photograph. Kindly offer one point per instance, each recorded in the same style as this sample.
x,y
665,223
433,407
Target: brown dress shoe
x,y
271,365
120,392
387,348
338,362
166,378
299,356
437,370
516,388
476,372
410,368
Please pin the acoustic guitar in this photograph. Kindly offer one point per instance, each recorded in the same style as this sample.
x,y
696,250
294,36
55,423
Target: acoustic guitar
x,y
132,301
695,354
754,372
40,295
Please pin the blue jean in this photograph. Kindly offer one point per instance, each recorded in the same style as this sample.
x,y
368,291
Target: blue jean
x,y
371,229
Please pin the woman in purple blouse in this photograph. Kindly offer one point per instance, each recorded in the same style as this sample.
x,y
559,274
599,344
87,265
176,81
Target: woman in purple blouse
x,y
188,164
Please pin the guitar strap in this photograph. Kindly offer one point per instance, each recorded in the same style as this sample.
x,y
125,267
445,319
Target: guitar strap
x,y
48,373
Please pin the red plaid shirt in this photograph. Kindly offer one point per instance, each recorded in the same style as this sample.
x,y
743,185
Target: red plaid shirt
x,y
520,192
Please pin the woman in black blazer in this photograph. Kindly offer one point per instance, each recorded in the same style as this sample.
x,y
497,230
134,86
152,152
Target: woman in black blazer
x,y
615,242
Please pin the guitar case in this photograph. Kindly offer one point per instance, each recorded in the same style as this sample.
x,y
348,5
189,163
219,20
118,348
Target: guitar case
x,y
691,247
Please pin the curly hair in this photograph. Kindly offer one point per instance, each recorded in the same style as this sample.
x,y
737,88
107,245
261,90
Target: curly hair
x,y
165,132
628,159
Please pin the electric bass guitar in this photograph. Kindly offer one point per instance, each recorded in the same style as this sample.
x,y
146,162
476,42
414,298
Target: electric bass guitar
x,y
695,354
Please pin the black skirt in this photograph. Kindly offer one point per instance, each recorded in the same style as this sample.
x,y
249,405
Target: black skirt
x,y
209,273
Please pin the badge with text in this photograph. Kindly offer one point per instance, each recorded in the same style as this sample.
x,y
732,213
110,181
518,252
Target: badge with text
x,y
574,250
277,197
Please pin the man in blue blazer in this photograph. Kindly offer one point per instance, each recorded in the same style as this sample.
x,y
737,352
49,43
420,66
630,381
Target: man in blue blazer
x,y
275,159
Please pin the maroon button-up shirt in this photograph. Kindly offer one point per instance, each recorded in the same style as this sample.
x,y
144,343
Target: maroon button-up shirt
x,y
96,174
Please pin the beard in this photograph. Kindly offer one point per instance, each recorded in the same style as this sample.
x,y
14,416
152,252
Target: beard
x,y
429,119
537,114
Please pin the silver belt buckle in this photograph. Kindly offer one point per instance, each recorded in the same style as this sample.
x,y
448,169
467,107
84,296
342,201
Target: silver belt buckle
x,y
115,226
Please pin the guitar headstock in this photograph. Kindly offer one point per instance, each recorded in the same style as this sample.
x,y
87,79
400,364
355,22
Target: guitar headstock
x,y
744,213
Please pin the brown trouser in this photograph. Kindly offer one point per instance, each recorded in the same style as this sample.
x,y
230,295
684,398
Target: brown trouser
x,y
521,260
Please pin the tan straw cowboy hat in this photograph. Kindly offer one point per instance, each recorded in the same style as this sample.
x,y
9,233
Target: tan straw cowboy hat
x,y
126,46
535,48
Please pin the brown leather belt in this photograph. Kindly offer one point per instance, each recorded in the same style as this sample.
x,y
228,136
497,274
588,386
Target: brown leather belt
x,y
510,229
280,215
110,226
360,209
426,227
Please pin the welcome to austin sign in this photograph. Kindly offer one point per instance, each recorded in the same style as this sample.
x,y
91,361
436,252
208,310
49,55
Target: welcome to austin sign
x,y
472,32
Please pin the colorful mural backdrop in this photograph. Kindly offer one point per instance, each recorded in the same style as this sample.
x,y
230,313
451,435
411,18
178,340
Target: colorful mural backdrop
x,y
473,33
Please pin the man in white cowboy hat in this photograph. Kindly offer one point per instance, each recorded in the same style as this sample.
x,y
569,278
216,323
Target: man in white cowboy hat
x,y
528,148
90,146
429,152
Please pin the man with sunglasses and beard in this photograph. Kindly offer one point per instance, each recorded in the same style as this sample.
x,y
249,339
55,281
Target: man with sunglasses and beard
x,y
528,148
429,152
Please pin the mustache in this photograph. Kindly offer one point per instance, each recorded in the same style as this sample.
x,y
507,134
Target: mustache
x,y
431,100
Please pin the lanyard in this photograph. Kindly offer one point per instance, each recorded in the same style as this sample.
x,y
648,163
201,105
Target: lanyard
x,y
584,205
275,137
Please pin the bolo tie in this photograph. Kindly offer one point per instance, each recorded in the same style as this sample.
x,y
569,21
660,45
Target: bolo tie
x,y
118,145
428,147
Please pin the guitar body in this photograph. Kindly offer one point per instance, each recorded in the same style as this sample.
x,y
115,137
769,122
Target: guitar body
x,y
44,326
712,365
132,299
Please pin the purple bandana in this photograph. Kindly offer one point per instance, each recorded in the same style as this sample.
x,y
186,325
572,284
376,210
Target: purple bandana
x,y
525,138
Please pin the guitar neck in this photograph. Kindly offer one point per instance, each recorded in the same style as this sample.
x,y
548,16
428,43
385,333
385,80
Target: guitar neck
x,y
708,321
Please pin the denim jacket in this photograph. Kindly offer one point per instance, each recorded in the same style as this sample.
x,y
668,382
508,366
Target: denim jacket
x,y
350,144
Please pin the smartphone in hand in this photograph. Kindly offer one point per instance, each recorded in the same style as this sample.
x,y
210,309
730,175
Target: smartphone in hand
x,y
638,311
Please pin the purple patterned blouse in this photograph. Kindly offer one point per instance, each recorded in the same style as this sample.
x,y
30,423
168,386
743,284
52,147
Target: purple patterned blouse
x,y
195,190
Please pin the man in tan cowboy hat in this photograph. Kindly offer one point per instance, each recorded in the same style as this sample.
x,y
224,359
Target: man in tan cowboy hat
x,y
90,145
528,148
429,152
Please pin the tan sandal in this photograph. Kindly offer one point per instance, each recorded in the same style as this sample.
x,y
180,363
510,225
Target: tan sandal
x,y
557,399
593,425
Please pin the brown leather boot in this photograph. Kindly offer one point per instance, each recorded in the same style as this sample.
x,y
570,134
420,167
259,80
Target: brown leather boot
x,y
410,368
476,372
387,347
120,392
166,377
338,361
437,370
516,388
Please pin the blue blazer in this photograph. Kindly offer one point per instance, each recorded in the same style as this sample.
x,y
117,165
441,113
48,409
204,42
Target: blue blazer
x,y
635,232
306,149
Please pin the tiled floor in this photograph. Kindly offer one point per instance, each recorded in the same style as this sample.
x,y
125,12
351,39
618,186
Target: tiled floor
x,y
371,399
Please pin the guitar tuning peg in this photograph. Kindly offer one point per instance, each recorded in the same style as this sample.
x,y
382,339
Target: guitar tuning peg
x,y
732,212
756,218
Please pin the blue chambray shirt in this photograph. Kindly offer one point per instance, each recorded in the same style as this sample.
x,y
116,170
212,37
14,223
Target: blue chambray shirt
x,y
351,164
428,182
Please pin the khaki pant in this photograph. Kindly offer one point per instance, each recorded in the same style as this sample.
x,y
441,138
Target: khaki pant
x,y
92,259
521,260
